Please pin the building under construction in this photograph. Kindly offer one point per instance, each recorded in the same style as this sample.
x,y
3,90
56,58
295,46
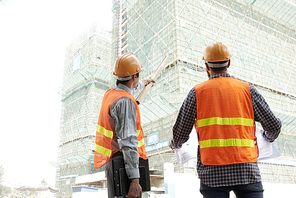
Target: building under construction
x,y
86,78
261,36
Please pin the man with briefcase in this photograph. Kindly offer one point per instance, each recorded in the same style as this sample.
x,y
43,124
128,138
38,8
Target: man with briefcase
x,y
119,135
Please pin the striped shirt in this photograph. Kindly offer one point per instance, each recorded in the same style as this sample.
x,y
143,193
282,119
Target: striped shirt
x,y
233,174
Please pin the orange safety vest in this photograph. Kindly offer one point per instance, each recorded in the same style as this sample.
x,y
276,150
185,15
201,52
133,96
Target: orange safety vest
x,y
225,122
104,147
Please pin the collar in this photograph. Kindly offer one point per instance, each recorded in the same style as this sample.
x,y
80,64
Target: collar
x,y
219,75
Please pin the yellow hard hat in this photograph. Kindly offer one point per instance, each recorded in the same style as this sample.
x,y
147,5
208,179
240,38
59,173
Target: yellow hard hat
x,y
216,52
127,65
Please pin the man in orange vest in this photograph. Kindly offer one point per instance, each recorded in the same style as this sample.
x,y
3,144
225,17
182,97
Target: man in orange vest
x,y
119,132
224,111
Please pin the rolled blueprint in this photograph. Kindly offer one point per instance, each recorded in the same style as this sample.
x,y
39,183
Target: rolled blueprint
x,y
143,93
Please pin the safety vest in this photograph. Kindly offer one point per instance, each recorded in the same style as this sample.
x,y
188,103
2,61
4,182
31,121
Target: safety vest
x,y
225,122
104,147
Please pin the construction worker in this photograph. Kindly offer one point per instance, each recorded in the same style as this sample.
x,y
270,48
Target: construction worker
x,y
119,132
224,111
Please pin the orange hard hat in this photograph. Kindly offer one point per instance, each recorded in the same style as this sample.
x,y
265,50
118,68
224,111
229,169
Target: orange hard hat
x,y
127,65
216,52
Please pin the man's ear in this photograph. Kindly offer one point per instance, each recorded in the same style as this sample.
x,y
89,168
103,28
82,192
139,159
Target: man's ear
x,y
208,68
228,64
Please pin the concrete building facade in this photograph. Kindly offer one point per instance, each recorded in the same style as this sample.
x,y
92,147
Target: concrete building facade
x,y
86,78
261,37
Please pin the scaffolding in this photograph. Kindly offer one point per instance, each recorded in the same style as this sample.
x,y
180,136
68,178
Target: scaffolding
x,y
261,35
86,78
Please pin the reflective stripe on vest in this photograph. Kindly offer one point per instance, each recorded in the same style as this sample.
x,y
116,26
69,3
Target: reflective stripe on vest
x,y
103,151
104,131
224,121
226,143
108,134
140,142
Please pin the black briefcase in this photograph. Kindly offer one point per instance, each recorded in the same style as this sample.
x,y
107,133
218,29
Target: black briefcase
x,y
122,182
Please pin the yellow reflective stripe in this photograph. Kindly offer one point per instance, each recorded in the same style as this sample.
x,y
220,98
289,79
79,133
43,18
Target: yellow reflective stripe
x,y
224,121
104,131
226,143
141,143
103,151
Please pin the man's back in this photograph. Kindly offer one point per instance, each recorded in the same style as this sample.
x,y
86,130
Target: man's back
x,y
232,174
225,122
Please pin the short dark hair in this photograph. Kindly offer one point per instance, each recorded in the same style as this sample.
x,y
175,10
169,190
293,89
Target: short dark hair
x,y
219,69
121,82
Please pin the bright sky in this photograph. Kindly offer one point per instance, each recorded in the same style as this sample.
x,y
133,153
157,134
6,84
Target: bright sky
x,y
34,35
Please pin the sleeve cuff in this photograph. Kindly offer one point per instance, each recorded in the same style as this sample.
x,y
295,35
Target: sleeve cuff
x,y
133,173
